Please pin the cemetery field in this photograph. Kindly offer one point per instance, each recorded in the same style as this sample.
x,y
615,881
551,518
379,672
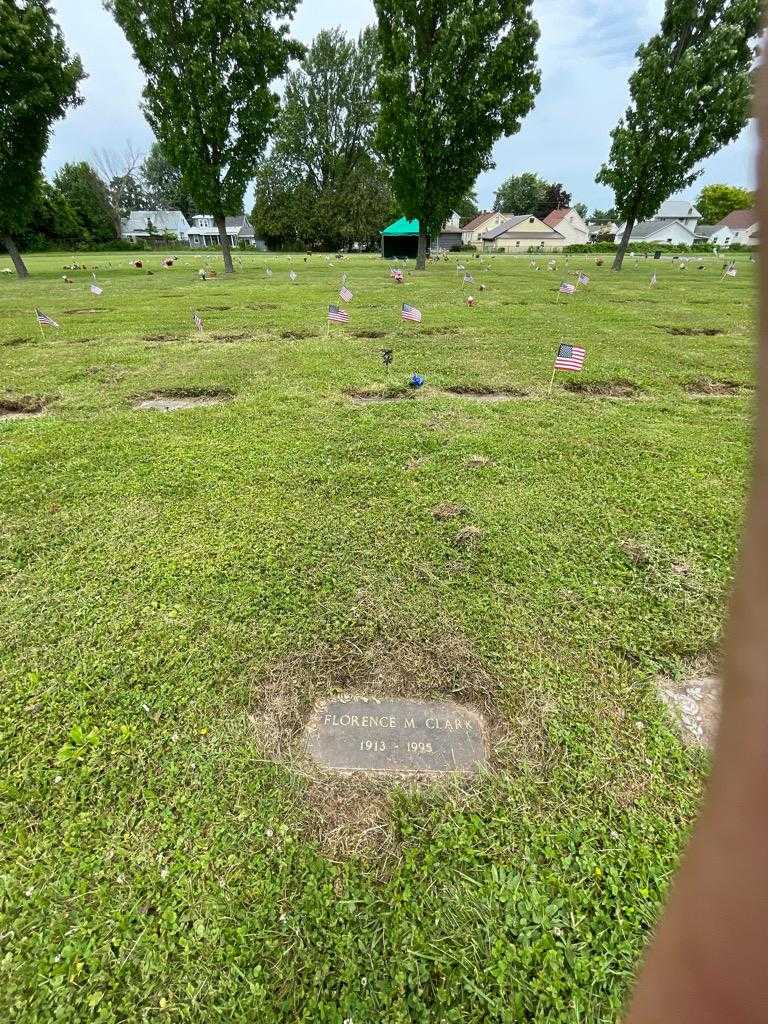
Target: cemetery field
x,y
180,587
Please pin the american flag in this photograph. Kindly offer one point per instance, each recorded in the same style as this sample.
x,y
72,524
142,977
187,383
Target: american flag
x,y
198,321
731,271
570,358
345,294
44,319
654,281
411,313
293,275
583,279
338,316
95,290
567,288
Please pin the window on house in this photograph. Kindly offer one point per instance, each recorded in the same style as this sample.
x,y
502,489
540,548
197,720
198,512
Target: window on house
x,y
517,244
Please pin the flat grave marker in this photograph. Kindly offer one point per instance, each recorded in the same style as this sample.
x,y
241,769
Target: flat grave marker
x,y
396,736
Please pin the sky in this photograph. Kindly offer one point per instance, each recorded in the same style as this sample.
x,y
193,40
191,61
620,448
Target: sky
x,y
586,54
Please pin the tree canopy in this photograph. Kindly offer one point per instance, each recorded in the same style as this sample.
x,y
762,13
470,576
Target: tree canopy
x,y
323,182
520,193
717,201
87,196
208,96
38,82
690,95
163,184
455,75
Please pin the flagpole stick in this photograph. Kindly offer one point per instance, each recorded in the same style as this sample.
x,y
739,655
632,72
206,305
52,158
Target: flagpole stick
x,y
42,332
552,382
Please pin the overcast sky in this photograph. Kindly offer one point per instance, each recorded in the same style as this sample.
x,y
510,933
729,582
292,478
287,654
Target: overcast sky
x,y
585,52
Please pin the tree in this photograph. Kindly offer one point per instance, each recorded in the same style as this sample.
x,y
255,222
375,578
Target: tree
x,y
467,207
163,185
119,172
521,193
581,209
38,83
555,198
717,201
87,195
51,219
605,216
323,182
209,67
455,76
690,95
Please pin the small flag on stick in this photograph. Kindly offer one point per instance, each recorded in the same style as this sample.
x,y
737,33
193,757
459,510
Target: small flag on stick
x,y
566,288
95,290
411,313
730,270
198,322
345,294
583,279
337,316
387,356
44,320
654,281
292,275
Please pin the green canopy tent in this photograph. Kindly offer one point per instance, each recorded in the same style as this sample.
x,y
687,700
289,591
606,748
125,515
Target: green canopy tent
x,y
401,240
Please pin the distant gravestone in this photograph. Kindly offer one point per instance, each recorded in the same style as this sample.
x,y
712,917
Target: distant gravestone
x,y
395,736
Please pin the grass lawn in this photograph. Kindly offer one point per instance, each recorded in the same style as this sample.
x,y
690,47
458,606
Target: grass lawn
x,y
178,588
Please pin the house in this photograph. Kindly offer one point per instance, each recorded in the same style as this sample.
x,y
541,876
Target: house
x,y
570,224
401,240
142,224
601,230
738,228
471,233
519,234
658,232
680,211
704,232
204,232
450,233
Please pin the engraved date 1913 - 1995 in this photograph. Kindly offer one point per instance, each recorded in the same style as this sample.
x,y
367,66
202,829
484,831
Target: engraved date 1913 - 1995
x,y
381,746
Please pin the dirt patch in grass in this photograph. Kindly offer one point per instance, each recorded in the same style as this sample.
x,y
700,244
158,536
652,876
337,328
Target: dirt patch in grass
x,y
369,334
431,331
13,407
228,336
486,392
448,510
477,461
261,305
692,332
13,342
350,815
694,703
181,398
213,309
705,386
468,537
372,396
157,339
603,388
81,312
298,335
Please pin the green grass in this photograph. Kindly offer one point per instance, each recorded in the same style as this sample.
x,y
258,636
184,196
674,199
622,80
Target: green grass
x,y
177,587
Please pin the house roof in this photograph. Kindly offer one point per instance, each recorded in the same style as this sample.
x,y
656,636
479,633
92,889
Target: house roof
x,y
738,220
402,227
451,229
648,228
162,220
514,222
705,230
239,225
478,221
553,219
676,208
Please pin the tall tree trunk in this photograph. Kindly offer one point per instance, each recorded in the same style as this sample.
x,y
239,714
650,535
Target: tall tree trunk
x,y
226,248
15,255
421,256
624,245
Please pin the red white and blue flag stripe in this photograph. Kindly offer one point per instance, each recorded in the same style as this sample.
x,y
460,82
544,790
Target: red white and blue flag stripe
x,y
569,357
345,294
44,319
411,313
338,316
198,321
567,288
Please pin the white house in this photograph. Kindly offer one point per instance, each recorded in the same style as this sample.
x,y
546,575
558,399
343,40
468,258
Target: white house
x,y
472,233
601,230
738,228
519,234
570,224
204,232
142,224
450,234
681,211
658,232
